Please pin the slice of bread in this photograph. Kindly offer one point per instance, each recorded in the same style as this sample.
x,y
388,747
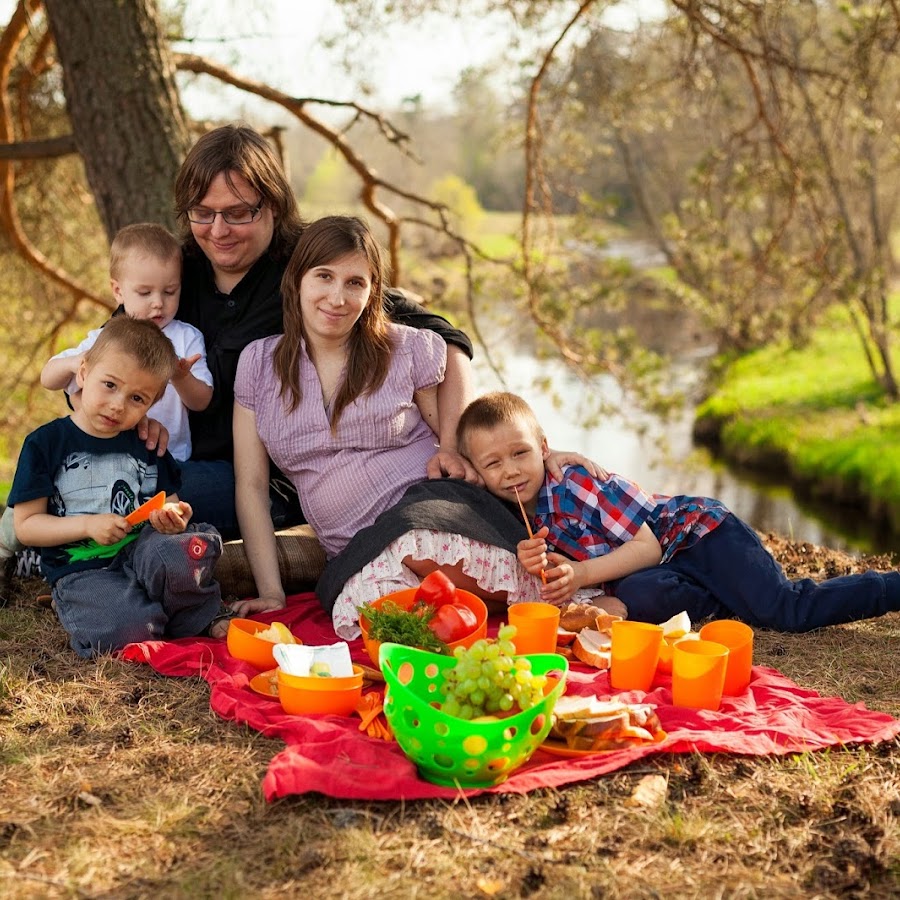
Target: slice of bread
x,y
593,648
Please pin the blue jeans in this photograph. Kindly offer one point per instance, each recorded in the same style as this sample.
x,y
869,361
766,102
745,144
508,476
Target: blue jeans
x,y
160,585
208,485
728,573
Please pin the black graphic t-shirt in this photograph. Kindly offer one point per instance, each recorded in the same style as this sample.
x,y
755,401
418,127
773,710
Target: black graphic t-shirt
x,y
84,475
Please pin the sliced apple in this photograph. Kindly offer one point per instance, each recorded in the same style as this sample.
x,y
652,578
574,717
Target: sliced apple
x,y
678,625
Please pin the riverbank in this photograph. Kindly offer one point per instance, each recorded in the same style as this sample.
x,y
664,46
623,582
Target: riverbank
x,y
815,416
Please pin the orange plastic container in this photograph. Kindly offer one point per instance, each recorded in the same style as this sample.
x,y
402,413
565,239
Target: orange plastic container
x,y
738,638
634,655
243,644
698,674
405,599
306,695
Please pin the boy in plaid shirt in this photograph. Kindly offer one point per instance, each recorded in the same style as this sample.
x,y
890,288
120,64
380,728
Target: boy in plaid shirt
x,y
659,555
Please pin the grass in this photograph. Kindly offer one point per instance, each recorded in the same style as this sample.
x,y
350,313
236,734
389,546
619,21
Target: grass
x,y
120,783
815,413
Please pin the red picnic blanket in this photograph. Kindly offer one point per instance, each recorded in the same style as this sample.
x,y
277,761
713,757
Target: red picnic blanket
x,y
329,754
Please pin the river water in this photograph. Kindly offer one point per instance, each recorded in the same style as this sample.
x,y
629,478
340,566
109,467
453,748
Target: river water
x,y
661,456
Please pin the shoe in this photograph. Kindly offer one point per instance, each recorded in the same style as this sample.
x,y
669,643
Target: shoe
x,y
28,563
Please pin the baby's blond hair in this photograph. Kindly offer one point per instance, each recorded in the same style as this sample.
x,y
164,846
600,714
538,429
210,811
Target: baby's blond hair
x,y
146,238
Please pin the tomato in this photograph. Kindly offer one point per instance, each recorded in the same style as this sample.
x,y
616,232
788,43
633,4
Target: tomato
x,y
436,589
452,622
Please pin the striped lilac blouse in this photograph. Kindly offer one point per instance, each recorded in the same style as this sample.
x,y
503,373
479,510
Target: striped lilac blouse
x,y
382,443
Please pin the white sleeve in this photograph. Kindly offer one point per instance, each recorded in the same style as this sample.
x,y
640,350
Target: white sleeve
x,y
83,347
194,344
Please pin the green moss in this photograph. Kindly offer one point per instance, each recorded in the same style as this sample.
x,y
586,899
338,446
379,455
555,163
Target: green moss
x,y
817,413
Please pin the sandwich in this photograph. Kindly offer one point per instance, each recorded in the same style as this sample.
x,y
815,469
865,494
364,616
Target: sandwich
x,y
589,724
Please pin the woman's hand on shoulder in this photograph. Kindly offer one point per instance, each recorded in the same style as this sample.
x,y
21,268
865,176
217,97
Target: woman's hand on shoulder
x,y
556,459
451,464
258,604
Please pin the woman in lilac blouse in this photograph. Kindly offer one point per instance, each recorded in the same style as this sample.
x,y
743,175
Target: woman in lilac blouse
x,y
345,404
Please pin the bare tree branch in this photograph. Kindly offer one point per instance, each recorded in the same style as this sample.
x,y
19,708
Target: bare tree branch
x,y
11,39
48,148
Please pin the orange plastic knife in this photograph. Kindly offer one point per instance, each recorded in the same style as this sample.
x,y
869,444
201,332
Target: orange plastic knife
x,y
142,513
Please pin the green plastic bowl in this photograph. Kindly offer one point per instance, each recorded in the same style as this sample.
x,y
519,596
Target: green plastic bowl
x,y
456,752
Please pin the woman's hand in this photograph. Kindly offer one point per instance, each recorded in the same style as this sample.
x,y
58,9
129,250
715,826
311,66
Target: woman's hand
x,y
258,604
556,459
153,434
450,464
173,518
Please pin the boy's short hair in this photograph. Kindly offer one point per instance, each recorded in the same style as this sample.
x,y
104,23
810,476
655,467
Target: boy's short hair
x,y
491,410
146,238
142,340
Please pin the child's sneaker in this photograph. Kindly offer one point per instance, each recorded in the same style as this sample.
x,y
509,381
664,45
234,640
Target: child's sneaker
x,y
28,563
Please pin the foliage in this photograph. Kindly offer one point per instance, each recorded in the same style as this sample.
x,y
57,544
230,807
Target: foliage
x,y
461,200
773,190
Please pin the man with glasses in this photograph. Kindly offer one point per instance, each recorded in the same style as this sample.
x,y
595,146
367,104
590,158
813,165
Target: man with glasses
x,y
240,223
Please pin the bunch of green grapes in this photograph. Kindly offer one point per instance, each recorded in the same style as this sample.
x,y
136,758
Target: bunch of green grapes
x,y
488,679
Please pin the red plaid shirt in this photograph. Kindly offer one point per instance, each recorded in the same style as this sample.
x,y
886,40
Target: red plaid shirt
x,y
588,518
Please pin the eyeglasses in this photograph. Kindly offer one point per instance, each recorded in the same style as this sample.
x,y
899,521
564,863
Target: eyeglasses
x,y
237,215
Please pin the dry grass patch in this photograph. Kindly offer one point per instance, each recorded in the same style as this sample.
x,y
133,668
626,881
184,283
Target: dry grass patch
x,y
116,782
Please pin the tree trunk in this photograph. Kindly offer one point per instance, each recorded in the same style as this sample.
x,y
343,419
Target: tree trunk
x,y
123,104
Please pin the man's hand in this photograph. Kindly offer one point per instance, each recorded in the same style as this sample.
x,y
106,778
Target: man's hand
x,y
556,459
173,518
153,434
450,464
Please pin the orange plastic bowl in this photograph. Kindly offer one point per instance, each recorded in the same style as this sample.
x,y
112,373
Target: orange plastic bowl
x,y
243,644
405,599
306,695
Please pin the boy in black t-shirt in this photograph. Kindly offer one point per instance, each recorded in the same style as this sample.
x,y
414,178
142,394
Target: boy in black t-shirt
x,y
77,480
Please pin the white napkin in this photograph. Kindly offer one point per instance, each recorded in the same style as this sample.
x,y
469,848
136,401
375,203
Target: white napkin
x,y
299,659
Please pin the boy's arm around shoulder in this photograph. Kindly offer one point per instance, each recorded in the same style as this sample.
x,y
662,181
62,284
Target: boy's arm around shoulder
x,y
58,372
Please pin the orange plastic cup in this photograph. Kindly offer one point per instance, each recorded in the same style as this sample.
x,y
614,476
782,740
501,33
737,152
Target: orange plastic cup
x,y
698,674
738,638
536,627
634,655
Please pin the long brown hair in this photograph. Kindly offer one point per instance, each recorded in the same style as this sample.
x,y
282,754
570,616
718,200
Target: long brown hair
x,y
368,345
240,149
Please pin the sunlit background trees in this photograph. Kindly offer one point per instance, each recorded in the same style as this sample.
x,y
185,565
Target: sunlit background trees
x,y
755,144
